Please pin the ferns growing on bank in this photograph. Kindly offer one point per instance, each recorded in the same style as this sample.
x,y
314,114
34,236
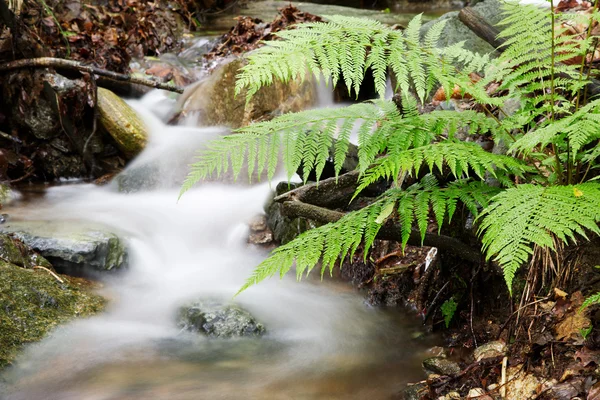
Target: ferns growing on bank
x,y
546,188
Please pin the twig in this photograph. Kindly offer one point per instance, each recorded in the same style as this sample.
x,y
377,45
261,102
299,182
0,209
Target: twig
x,y
50,62
503,379
50,272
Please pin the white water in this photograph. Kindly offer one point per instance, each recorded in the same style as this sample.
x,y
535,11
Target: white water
x,y
322,340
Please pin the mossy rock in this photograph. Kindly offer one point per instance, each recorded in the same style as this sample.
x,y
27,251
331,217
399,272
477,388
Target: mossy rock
x,y
33,302
218,320
122,123
214,99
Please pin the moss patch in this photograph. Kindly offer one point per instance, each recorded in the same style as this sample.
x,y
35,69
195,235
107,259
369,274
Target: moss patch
x,y
33,302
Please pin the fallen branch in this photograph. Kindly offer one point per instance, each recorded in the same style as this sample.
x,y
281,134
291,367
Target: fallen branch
x,y
479,26
328,191
389,231
49,62
50,272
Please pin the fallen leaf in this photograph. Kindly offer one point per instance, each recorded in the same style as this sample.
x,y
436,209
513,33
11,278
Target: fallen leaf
x,y
570,327
594,393
587,357
560,293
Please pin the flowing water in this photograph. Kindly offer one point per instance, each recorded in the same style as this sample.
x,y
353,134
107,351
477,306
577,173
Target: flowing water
x,y
322,341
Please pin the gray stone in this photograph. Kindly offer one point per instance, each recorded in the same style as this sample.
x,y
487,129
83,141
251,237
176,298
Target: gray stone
x,y
414,391
71,247
455,31
441,365
218,320
136,179
492,349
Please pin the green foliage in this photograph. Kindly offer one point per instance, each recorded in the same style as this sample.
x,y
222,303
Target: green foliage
x,y
345,47
332,242
545,190
536,214
591,300
448,309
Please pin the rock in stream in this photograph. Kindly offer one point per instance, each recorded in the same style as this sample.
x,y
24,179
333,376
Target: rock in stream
x,y
219,320
33,302
71,247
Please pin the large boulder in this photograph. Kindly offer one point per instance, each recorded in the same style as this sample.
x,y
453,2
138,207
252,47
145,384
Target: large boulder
x,y
33,302
213,99
73,248
455,31
219,320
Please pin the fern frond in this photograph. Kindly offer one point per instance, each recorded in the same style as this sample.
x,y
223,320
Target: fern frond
x,y
345,47
530,214
461,158
580,128
590,300
332,242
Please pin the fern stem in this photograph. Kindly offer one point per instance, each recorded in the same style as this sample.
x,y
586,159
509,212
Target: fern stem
x,y
588,167
583,59
559,170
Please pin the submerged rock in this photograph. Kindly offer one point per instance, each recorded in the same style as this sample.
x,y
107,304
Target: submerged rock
x,y
33,302
71,247
214,102
121,122
218,320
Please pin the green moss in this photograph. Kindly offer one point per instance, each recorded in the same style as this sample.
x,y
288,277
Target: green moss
x,y
33,302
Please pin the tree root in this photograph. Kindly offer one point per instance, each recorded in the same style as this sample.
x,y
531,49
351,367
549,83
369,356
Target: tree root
x,y
59,63
389,231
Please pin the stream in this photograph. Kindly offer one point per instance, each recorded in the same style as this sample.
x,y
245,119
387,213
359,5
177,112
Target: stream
x,y
322,340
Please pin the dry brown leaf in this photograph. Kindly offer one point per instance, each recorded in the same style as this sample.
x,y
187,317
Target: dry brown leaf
x,y
587,356
560,293
571,326
594,393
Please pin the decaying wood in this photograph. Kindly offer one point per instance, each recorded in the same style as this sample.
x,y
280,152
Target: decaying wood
x,y
389,231
328,191
59,63
476,23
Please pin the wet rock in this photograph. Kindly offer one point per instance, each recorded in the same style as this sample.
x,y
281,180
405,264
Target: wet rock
x,y
259,231
217,320
441,365
284,228
455,31
414,391
71,247
138,178
489,350
16,252
33,302
121,122
213,99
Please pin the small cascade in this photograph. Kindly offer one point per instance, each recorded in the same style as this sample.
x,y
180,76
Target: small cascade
x,y
320,336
